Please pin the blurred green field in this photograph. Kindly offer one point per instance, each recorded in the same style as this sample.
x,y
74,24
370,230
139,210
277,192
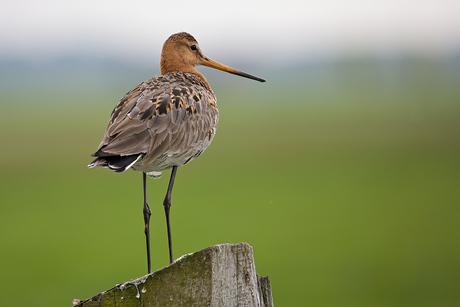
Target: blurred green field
x,y
348,199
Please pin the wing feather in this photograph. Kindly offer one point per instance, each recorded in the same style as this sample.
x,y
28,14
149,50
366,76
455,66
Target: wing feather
x,y
166,115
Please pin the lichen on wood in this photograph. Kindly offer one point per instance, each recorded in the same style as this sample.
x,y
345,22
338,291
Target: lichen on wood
x,y
220,275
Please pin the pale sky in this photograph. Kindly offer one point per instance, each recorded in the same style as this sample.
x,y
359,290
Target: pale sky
x,y
280,30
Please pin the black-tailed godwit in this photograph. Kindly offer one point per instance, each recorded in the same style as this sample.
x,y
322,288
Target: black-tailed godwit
x,y
164,122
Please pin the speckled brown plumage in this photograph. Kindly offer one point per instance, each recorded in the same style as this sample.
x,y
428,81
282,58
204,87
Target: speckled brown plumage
x,y
165,121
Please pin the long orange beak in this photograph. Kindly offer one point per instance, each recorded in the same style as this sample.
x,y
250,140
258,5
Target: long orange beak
x,y
210,63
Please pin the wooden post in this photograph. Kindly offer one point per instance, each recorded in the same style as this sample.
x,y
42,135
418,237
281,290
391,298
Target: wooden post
x,y
220,275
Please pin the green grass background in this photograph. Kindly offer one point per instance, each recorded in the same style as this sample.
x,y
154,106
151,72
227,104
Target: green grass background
x,y
347,189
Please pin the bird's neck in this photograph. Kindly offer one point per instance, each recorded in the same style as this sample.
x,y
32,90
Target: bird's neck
x,y
171,62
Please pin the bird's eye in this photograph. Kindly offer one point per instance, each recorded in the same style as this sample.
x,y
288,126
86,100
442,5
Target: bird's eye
x,y
193,47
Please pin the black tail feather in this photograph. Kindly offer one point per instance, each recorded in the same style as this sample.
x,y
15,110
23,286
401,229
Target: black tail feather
x,y
118,164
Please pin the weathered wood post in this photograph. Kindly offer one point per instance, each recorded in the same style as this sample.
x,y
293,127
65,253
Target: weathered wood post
x,y
220,275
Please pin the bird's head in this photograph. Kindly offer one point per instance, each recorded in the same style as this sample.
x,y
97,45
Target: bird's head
x,y
181,52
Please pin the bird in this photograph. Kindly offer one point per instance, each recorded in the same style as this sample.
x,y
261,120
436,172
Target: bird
x,y
164,122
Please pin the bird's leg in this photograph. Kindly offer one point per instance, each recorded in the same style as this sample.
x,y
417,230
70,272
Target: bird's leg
x,y
147,213
167,205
